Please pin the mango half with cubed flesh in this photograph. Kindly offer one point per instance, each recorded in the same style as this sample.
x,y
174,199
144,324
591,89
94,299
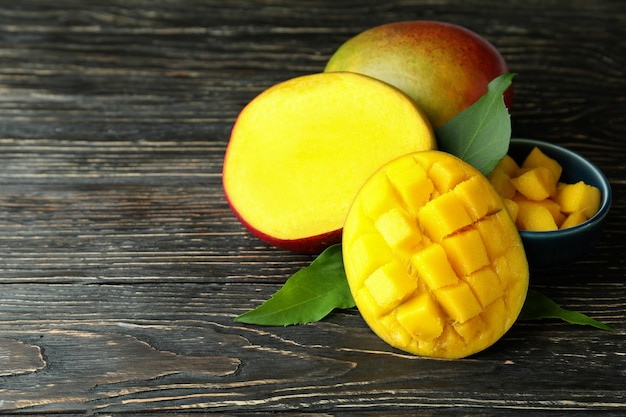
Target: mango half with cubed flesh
x,y
434,262
300,151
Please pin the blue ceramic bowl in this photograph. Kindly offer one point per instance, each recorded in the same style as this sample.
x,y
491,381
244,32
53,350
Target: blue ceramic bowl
x,y
552,249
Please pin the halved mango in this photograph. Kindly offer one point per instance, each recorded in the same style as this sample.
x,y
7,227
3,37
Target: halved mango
x,y
300,151
447,275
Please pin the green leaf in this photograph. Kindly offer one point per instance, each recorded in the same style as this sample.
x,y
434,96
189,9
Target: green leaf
x,y
538,306
481,133
308,296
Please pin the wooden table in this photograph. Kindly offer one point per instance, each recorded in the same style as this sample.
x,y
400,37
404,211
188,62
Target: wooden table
x,y
122,267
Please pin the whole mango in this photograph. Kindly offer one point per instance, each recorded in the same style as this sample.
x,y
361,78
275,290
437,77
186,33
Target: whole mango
x,y
443,67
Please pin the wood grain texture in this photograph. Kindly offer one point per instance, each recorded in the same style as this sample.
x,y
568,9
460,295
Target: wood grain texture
x,y
122,266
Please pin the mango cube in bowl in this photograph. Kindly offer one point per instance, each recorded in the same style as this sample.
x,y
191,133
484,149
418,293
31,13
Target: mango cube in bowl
x,y
582,194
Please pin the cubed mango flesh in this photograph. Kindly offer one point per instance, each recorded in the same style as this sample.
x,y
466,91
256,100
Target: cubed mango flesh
x,y
390,285
508,166
458,275
536,158
443,216
477,201
537,200
446,175
397,229
533,216
433,267
574,219
421,316
579,197
414,186
512,207
536,184
501,181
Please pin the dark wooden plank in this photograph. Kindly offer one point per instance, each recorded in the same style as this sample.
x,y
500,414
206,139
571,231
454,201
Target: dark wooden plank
x,y
118,347
122,266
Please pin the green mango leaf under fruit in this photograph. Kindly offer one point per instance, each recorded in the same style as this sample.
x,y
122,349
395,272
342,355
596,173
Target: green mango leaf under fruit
x,y
538,307
316,290
480,134
308,295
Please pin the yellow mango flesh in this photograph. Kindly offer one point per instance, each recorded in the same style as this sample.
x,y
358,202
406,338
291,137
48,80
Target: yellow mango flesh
x,y
443,274
300,151
537,159
536,184
501,181
535,198
534,216
573,219
579,197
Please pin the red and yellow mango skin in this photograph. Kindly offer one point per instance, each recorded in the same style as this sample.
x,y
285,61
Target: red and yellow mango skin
x,y
443,67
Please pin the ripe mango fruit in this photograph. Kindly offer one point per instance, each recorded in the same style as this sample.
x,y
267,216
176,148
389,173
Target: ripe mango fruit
x,y
434,262
443,67
300,150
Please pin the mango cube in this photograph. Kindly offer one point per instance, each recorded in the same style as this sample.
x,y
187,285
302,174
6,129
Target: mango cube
x,y
390,284
549,204
498,233
466,251
443,216
472,328
579,197
555,210
432,266
446,175
459,302
574,219
508,166
369,251
493,314
378,196
534,217
397,229
536,184
510,268
477,197
486,285
412,184
511,207
367,304
536,158
421,316
501,181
